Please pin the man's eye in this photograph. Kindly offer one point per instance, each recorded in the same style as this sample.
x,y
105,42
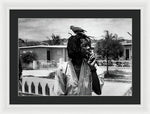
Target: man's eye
x,y
83,45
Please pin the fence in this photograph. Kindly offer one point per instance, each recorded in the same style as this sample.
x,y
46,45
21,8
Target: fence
x,y
119,63
37,86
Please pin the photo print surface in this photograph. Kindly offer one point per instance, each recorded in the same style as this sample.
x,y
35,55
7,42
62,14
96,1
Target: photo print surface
x,y
43,49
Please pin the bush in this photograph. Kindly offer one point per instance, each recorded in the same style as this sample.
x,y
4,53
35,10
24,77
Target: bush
x,y
28,57
51,75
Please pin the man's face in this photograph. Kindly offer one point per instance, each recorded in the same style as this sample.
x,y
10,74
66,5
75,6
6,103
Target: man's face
x,y
85,48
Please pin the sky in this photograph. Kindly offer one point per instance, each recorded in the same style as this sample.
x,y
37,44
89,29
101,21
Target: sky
x,y
39,29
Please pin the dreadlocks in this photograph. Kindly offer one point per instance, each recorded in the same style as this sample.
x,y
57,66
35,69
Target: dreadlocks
x,y
74,47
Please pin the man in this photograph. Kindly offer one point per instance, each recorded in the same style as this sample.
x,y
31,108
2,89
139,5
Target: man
x,y
78,76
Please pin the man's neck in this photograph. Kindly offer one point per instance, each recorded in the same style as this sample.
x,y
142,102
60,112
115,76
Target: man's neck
x,y
77,67
77,63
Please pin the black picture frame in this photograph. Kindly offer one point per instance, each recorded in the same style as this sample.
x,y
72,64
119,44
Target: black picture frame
x,y
87,13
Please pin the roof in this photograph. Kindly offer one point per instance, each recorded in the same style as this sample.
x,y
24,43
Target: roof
x,y
125,44
44,46
62,46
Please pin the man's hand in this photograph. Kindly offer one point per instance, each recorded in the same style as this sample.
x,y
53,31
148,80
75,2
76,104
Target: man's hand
x,y
92,62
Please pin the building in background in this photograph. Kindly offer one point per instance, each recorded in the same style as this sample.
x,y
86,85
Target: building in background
x,y
44,52
127,54
55,52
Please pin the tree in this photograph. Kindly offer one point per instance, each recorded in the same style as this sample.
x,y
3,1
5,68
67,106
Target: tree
x,y
21,42
27,42
109,47
54,40
28,57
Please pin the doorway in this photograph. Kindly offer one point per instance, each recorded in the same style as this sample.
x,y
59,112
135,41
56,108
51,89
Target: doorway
x,y
48,55
127,54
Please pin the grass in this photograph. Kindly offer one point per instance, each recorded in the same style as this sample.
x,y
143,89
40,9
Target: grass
x,y
118,75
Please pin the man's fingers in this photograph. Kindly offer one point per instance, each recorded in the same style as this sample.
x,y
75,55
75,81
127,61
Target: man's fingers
x,y
93,62
92,56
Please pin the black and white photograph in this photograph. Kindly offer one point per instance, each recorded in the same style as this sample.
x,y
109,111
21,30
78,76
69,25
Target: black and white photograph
x,y
75,57
89,55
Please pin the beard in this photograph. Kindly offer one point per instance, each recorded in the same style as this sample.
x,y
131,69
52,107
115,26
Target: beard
x,y
85,54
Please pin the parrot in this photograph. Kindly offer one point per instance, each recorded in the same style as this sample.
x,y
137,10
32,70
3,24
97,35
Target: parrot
x,y
77,30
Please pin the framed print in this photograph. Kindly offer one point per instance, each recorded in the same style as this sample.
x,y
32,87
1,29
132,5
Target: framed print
x,y
74,56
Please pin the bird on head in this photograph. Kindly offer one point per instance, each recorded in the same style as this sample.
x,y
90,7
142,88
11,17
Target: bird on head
x,y
77,30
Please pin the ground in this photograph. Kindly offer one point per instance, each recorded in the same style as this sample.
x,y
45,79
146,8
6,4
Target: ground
x,y
114,88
